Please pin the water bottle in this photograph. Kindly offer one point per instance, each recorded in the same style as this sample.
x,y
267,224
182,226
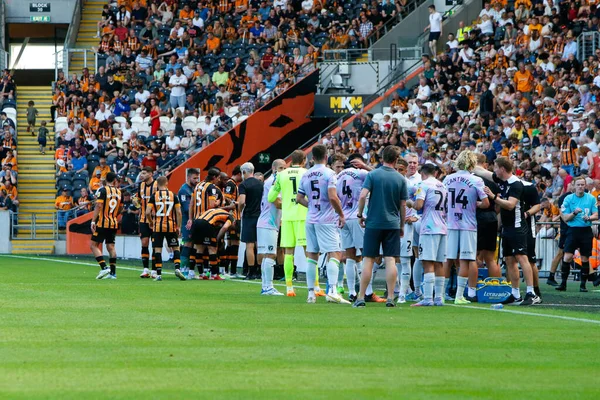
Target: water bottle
x,y
498,306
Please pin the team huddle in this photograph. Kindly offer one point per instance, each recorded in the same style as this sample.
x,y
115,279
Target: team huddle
x,y
419,223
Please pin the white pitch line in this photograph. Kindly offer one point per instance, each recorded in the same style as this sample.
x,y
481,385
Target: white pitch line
x,y
585,320
569,305
504,310
124,268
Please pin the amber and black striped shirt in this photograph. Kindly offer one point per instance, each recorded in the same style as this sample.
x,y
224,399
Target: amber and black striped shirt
x,y
144,194
109,199
164,205
217,217
203,193
232,195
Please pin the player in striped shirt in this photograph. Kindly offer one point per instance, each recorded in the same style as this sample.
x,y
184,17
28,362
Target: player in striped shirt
x,y
105,224
317,192
431,198
465,194
164,215
267,230
293,215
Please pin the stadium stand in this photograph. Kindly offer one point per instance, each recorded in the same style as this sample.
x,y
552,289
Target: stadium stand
x,y
174,76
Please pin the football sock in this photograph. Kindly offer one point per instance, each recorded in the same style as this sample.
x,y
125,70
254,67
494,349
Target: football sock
x,y
516,293
530,290
552,275
288,268
418,276
428,283
471,292
537,291
157,261
461,284
267,272
369,290
213,263
333,270
233,258
351,275
101,262
439,286
565,271
311,273
320,267
585,272
154,262
177,258
446,284
185,256
145,257
404,275
113,265
192,263
340,281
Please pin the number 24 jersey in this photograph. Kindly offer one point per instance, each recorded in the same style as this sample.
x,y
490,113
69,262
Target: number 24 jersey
x,y
433,193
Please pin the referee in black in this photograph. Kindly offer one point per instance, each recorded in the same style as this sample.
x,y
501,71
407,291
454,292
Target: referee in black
x,y
384,223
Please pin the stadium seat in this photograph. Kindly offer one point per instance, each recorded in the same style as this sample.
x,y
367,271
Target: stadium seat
x,y
189,122
165,123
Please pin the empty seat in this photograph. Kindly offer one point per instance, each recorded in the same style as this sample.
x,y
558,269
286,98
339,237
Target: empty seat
x,y
189,122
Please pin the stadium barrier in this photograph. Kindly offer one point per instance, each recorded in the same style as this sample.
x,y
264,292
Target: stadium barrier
x,y
5,245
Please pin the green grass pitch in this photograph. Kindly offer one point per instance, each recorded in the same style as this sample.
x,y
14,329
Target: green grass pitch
x,y
64,335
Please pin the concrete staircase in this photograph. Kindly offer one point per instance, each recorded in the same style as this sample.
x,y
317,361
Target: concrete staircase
x,y
36,181
92,13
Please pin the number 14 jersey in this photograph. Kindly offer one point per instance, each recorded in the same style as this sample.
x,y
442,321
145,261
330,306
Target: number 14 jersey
x,y
349,185
464,191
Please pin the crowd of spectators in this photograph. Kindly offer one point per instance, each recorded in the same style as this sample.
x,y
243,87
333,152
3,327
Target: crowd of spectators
x,y
175,75
508,84
9,199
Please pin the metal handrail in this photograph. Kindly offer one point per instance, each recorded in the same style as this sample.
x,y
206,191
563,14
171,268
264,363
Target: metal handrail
x,y
31,223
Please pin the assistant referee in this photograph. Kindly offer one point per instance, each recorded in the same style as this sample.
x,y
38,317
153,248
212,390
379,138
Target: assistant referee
x,y
384,223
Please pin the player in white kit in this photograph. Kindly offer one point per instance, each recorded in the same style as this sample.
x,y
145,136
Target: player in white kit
x,y
349,185
318,192
414,179
431,198
406,242
465,194
267,230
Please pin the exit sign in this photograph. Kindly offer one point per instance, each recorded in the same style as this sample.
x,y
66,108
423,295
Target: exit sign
x,y
40,18
39,7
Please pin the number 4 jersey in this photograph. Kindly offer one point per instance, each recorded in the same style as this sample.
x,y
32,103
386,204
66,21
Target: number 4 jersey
x,y
464,191
433,193
349,185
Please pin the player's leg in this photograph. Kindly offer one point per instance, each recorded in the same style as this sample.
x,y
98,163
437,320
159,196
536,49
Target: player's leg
x,y
321,266
96,248
158,262
586,240
109,239
554,266
340,281
531,297
213,263
417,269
288,243
428,256
266,240
371,245
350,267
145,239
531,256
173,243
440,271
312,257
232,251
391,251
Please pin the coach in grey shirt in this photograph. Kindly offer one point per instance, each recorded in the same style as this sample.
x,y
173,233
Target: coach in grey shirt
x,y
384,223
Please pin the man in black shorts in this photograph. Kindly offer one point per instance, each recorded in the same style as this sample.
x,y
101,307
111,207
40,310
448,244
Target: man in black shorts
x,y
532,207
564,228
435,29
384,224
105,224
487,224
249,208
514,230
